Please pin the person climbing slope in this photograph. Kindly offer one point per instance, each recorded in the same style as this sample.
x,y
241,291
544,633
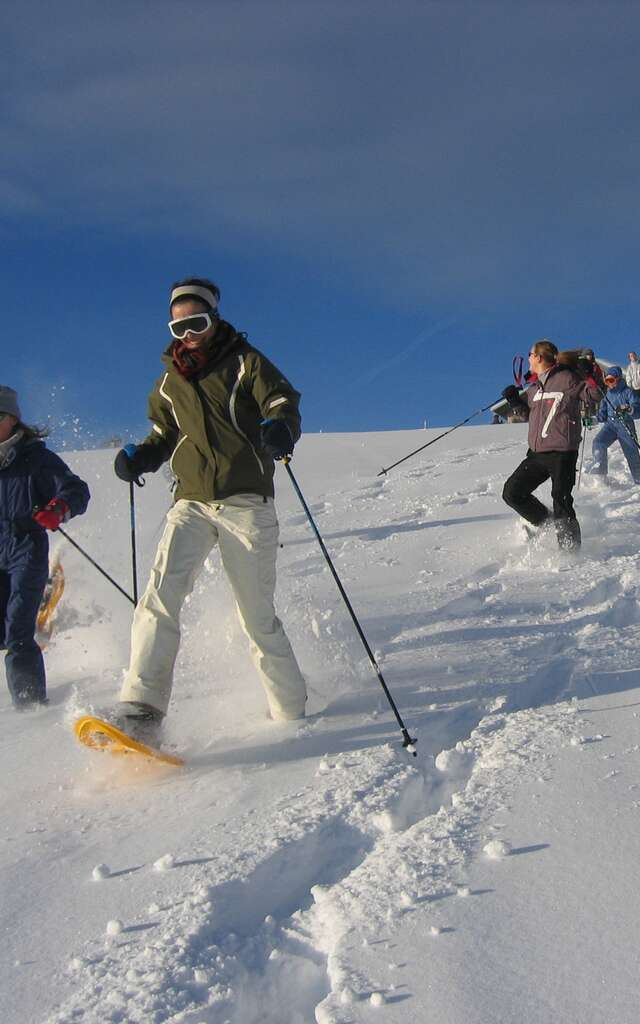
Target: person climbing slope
x,y
38,492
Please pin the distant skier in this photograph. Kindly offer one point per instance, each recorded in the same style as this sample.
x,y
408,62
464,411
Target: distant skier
x,y
616,412
221,412
595,370
552,405
632,372
38,492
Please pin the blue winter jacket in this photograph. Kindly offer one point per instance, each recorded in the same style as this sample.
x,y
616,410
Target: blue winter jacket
x,y
32,478
615,397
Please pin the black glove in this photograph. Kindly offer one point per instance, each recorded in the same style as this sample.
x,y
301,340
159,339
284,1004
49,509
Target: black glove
x,y
512,395
130,463
276,438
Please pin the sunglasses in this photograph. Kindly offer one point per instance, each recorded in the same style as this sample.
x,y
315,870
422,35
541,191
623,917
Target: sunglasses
x,y
196,324
610,380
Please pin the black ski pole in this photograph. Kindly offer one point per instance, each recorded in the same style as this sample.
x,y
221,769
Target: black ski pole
x,y
407,741
582,459
134,566
94,563
444,434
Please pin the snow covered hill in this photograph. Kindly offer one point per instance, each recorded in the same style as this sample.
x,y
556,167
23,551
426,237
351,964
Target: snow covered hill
x,y
315,871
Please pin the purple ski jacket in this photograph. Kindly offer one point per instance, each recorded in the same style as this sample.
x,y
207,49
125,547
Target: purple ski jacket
x,y
554,409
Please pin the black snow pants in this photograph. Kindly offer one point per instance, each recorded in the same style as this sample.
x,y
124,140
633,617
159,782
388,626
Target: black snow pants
x,y
23,576
560,467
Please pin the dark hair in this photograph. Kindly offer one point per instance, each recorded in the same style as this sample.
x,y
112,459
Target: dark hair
x,y
569,358
546,351
202,282
31,433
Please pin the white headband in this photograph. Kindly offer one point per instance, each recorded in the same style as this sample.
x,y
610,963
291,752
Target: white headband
x,y
194,289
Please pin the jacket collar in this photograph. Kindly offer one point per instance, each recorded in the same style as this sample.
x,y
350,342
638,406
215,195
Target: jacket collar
x,y
226,338
545,377
9,447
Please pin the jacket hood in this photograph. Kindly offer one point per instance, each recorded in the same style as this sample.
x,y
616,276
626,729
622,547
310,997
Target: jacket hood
x,y
15,446
557,368
613,371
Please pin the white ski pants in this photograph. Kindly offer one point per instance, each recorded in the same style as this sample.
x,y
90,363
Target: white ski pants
x,y
245,527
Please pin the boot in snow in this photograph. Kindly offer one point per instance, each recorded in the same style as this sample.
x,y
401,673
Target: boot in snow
x,y
140,721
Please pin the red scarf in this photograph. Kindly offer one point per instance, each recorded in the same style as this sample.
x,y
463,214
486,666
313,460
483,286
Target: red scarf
x,y
189,361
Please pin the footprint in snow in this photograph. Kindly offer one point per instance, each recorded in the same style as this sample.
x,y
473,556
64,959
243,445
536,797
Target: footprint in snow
x,y
415,474
487,571
318,509
481,490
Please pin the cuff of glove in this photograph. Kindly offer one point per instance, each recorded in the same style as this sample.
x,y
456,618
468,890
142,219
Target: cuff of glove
x,y
52,515
60,507
276,438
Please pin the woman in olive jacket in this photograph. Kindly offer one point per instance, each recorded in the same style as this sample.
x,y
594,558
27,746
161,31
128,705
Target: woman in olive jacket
x,y
220,413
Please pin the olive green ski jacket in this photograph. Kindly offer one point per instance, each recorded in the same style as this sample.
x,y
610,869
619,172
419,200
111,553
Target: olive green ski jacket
x,y
209,426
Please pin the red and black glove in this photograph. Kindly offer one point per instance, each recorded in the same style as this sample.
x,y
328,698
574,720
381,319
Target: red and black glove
x,y
56,512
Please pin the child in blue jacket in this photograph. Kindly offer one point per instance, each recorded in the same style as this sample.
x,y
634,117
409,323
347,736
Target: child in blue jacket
x,y
616,411
38,492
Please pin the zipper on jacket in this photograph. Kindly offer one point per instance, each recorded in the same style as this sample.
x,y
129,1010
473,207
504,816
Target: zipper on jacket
x,y
198,391
169,399
539,437
232,412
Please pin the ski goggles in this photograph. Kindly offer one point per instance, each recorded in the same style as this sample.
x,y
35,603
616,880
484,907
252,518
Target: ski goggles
x,y
198,323
611,379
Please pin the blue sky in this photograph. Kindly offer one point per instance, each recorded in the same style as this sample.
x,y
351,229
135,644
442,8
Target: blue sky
x,y
393,198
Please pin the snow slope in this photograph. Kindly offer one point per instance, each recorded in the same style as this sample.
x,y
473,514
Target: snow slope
x,y
315,871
